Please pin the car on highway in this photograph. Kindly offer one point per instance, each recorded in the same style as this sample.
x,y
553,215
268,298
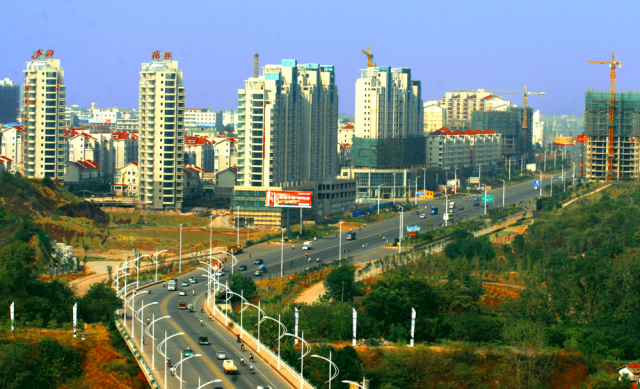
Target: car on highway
x,y
423,216
182,293
220,273
242,268
193,280
258,262
416,212
203,340
461,208
185,283
188,352
257,273
476,204
264,387
221,355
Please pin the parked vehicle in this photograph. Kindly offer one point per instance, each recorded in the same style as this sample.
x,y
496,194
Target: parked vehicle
x,y
229,367
351,236
307,245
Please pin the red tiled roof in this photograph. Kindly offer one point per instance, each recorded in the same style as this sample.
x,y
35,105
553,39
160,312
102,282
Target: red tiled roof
x,y
119,185
634,369
446,131
88,164
489,97
19,128
193,168
5,159
348,127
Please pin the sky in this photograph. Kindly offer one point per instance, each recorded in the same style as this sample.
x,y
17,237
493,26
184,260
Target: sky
x,y
497,45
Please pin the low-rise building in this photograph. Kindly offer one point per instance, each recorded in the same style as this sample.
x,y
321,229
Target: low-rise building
x,y
193,184
5,163
630,373
462,149
225,182
82,173
12,143
391,182
200,151
126,180
435,116
226,153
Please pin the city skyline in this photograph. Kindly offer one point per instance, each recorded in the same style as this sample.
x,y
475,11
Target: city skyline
x,y
541,45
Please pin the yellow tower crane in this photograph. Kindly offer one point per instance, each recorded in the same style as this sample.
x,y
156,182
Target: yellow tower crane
x,y
525,99
612,105
369,57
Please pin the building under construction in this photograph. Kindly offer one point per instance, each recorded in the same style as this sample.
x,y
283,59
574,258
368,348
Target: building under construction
x,y
388,152
626,139
516,140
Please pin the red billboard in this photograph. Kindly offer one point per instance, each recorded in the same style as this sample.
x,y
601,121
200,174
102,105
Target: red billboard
x,y
582,138
288,199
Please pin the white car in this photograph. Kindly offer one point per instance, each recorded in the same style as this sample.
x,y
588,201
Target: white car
x,y
182,293
423,216
221,355
220,273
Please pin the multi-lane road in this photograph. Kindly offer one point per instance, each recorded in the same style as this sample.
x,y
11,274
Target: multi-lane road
x,y
208,367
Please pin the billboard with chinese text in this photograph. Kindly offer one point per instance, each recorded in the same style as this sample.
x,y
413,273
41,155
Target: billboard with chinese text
x,y
288,199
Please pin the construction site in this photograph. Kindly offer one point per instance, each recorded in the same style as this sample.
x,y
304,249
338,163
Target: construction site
x,y
387,152
517,136
625,143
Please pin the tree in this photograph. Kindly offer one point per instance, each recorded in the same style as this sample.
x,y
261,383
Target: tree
x,y
99,303
242,285
340,283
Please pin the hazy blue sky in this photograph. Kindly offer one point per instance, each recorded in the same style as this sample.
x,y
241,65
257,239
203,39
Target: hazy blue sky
x,y
448,44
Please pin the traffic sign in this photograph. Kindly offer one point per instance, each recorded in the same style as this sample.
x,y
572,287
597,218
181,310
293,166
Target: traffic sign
x,y
487,198
445,216
536,183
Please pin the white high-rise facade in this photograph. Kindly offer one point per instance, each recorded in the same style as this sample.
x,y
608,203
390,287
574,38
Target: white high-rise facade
x,y
161,142
388,104
45,100
288,126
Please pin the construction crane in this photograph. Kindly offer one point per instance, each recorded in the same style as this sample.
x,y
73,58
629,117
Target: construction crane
x,y
612,104
524,104
369,57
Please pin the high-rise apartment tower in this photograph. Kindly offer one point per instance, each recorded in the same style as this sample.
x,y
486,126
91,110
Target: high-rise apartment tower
x,y
45,100
161,147
288,125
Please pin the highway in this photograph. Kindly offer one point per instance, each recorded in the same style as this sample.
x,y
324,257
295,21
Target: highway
x,y
208,367
327,248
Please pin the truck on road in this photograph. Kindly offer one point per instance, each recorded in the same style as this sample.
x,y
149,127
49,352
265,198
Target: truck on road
x,y
351,236
229,367
452,205
234,249
307,245
171,284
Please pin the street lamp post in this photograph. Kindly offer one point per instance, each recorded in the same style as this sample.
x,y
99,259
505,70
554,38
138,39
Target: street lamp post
x,y
180,256
340,244
417,189
503,186
551,195
210,234
155,259
379,198
455,180
238,223
207,383
485,199
282,253
446,209
545,160
363,386
540,171
424,181
574,174
394,188
331,365
401,226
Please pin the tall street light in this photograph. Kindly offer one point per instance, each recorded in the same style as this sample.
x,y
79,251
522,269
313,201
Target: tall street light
x,y
379,198
340,244
155,259
455,180
417,189
165,352
485,199
446,210
210,234
282,253
574,174
545,160
401,226
180,256
363,386
238,223
331,365
394,188
200,386
424,182
503,186
540,171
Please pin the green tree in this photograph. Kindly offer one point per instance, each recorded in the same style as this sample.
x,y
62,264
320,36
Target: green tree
x,y
242,285
340,283
99,303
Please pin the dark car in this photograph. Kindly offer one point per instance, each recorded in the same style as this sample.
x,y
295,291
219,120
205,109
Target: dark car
x,y
461,208
242,268
203,340
416,212
258,262
476,204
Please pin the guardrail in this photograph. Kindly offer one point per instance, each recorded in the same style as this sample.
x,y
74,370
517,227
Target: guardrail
x,y
136,354
271,353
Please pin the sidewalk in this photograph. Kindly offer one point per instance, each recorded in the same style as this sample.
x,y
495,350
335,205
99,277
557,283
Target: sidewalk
x,y
266,355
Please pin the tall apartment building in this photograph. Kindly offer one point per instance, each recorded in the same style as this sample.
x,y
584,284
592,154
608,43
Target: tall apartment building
x,y
388,104
457,149
9,101
288,125
460,105
161,142
45,97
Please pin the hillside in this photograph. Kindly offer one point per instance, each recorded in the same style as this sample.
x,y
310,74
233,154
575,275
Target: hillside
x,y
36,211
